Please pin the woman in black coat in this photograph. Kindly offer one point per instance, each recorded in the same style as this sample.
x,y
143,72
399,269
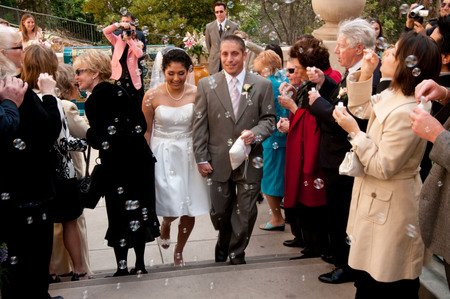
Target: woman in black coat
x,y
117,130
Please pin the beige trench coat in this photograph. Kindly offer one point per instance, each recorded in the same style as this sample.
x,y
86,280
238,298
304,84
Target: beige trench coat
x,y
383,221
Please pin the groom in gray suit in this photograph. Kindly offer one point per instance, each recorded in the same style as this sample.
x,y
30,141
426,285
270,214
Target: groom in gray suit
x,y
215,32
228,105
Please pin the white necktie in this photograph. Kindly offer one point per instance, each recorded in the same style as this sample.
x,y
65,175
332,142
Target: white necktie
x,y
235,95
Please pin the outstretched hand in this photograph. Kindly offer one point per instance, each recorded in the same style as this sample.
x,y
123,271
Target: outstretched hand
x,y
424,125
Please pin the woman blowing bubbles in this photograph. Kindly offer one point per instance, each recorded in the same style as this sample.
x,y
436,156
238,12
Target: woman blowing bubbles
x,y
169,111
382,226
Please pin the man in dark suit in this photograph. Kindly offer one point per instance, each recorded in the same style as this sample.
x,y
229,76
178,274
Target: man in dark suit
x,y
215,32
130,18
353,37
224,114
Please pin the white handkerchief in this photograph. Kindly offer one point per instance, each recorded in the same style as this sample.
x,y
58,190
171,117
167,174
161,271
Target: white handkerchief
x,y
238,153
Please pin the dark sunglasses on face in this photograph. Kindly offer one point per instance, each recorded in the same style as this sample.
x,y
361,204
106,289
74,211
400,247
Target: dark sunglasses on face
x,y
445,4
291,71
79,71
16,48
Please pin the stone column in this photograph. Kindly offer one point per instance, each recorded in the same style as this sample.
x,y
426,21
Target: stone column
x,y
333,12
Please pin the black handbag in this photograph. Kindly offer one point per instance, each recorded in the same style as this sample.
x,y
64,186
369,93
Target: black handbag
x,y
90,185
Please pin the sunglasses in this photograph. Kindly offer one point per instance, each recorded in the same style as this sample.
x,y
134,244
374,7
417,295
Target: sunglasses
x,y
79,71
16,48
445,4
291,71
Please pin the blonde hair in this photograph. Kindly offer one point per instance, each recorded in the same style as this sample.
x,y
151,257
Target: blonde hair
x,y
24,30
38,59
95,61
65,78
268,59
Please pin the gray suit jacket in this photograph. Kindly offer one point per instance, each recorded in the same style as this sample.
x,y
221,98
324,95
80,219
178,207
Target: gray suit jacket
x,y
214,127
434,204
213,42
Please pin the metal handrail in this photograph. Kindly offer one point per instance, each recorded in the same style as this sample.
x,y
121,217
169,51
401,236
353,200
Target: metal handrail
x,y
76,30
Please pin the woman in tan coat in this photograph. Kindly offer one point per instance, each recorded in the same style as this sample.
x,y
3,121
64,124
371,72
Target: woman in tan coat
x,y
383,226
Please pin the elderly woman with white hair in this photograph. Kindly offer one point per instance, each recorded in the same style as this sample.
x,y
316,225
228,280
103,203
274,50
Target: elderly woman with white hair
x,y
353,37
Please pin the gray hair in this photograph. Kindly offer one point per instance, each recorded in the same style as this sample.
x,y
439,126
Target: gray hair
x,y
8,36
358,31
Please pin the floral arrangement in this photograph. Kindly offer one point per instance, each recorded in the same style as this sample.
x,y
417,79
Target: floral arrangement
x,y
195,45
46,41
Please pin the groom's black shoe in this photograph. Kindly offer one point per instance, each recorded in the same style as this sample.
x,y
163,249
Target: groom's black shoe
x,y
237,261
220,255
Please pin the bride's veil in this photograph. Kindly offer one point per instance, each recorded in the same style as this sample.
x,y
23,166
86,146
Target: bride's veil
x,y
158,77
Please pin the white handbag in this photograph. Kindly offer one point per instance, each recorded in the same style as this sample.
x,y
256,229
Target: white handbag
x,y
351,165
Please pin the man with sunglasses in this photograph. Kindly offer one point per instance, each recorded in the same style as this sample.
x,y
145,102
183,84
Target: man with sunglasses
x,y
412,24
215,32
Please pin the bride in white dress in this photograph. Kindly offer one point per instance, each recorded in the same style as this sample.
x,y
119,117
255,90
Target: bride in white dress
x,y
169,112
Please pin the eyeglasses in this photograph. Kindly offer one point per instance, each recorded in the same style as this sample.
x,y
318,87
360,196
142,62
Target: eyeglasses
x,y
445,4
16,48
79,71
291,71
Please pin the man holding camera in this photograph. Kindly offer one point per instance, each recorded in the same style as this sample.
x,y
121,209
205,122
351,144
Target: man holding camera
x,y
414,19
124,62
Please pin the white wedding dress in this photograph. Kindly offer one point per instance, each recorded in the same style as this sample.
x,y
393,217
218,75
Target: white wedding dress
x,y
180,189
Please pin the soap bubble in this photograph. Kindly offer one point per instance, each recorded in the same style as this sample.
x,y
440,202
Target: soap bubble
x,y
382,43
230,142
211,285
230,4
99,28
227,114
29,220
258,162
265,29
404,8
166,282
411,61
19,144
105,145
275,145
318,18
212,82
272,35
112,130
138,129
5,196
258,138
44,216
198,115
276,6
440,184
244,2
119,93
411,231
416,72
13,260
209,181
182,26
123,11
318,183
305,183
280,75
123,242
119,190
288,1
122,264
135,225
349,240
149,8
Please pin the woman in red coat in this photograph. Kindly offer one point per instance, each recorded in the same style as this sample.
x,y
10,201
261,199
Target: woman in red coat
x,y
304,196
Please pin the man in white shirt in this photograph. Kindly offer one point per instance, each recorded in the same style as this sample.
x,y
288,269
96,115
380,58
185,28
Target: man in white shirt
x,y
214,34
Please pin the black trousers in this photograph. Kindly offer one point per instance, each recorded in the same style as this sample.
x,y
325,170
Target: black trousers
x,y
339,193
368,288
29,238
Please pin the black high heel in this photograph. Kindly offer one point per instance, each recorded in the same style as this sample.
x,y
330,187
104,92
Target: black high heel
x,y
76,276
53,278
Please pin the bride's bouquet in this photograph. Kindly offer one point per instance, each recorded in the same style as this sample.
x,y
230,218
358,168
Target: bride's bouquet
x,y
195,45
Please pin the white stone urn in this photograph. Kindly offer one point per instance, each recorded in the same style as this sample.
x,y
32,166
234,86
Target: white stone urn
x,y
334,11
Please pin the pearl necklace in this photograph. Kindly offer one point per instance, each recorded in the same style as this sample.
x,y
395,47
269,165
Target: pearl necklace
x,y
184,89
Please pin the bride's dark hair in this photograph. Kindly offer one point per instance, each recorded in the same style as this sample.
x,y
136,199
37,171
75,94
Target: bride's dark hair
x,y
176,55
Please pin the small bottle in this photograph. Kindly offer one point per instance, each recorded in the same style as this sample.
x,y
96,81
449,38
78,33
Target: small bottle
x,y
313,89
422,103
340,107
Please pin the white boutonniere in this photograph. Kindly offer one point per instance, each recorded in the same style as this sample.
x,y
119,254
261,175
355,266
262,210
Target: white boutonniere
x,y
246,89
227,27
342,93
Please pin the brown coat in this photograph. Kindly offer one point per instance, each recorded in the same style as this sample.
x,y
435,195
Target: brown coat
x,y
383,222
